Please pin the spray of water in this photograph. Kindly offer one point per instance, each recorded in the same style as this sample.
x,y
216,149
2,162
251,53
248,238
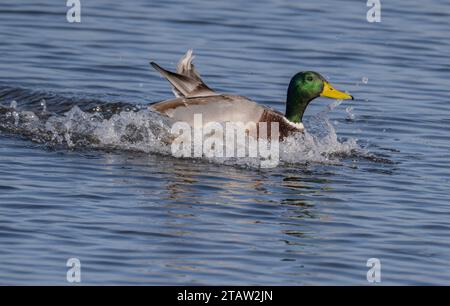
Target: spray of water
x,y
146,131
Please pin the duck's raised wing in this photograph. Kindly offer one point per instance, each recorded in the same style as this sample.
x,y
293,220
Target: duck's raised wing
x,y
186,82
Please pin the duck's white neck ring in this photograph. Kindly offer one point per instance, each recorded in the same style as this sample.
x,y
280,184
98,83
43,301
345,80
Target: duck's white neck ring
x,y
299,126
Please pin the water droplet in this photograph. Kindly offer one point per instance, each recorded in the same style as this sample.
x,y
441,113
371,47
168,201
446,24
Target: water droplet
x,y
44,105
16,118
350,114
334,104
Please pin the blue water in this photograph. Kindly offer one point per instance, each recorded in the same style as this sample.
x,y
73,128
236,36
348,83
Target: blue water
x,y
82,175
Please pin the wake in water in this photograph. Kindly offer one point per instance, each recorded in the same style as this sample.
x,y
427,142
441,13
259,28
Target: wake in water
x,y
119,126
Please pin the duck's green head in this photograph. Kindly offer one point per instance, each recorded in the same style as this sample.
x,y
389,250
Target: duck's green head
x,y
305,87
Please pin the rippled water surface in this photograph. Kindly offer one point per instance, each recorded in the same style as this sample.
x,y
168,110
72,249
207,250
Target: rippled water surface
x,y
85,171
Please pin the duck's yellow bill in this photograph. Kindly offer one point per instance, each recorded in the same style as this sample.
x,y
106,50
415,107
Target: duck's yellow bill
x,y
330,92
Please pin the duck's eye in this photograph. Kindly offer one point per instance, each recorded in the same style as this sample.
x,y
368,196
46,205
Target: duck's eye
x,y
309,78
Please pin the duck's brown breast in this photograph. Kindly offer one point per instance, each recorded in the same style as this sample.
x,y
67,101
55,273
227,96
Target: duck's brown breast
x,y
285,128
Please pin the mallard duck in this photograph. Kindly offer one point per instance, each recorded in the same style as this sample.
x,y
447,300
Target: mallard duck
x,y
193,96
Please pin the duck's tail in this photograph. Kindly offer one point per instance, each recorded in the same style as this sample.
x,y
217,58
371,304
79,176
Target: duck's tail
x,y
186,82
186,67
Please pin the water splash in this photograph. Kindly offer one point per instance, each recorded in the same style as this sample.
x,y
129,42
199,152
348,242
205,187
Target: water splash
x,y
334,105
14,114
129,127
142,131
149,132
13,104
350,115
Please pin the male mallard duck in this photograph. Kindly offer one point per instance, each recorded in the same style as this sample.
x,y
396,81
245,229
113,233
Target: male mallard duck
x,y
195,97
